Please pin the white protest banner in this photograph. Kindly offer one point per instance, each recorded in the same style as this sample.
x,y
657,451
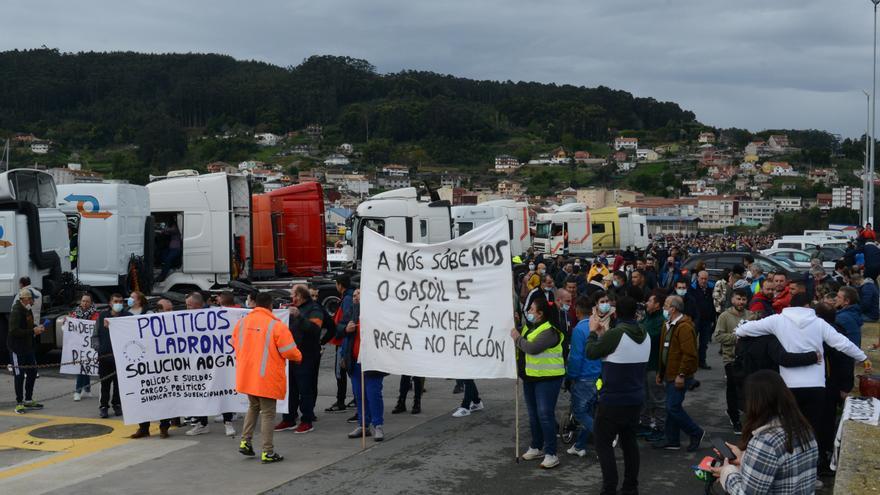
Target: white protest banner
x,y
179,363
440,310
77,355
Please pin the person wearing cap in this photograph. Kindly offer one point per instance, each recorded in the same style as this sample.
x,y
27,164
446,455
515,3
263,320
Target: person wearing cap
x,y
20,342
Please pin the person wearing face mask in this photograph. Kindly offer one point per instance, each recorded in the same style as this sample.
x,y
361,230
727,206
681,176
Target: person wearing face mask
x,y
670,273
598,268
678,364
546,290
618,285
137,303
536,275
106,365
85,311
542,368
563,305
582,374
604,309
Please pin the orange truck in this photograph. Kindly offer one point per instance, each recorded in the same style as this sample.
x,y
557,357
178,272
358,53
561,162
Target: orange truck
x,y
289,237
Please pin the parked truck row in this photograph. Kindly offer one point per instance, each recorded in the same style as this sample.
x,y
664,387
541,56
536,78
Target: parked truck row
x,y
185,231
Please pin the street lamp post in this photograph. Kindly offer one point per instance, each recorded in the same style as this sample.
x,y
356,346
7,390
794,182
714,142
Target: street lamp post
x,y
870,199
864,209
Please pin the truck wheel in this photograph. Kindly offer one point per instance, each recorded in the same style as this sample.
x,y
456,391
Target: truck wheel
x,y
331,304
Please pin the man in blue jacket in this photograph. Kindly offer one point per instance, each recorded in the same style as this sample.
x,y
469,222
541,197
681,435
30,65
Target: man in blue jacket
x,y
869,296
849,316
582,373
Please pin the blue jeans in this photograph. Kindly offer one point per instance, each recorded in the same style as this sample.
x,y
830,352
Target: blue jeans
x,y
704,334
677,418
168,261
374,405
583,406
541,403
83,383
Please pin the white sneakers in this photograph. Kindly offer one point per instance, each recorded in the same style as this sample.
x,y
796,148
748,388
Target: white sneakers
x,y
575,451
198,429
532,454
461,412
77,397
230,429
549,462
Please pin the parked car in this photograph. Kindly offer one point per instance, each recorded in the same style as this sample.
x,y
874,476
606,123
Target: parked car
x,y
828,256
717,262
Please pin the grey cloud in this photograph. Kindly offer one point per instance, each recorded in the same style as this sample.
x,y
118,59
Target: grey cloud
x,y
747,63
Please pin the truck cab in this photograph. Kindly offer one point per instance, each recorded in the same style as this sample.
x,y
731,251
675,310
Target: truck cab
x,y
111,236
210,216
33,234
467,218
566,231
400,215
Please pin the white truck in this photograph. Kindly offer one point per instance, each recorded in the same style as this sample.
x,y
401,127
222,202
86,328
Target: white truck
x,y
33,242
573,229
111,236
401,215
211,217
468,218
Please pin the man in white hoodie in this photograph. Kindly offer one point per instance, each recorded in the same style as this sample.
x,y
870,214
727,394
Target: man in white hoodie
x,y
798,329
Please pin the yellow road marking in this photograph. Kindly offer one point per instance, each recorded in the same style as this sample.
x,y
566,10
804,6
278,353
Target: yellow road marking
x,y
64,450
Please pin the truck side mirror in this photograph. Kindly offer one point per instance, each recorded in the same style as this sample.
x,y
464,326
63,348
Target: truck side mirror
x,y
348,235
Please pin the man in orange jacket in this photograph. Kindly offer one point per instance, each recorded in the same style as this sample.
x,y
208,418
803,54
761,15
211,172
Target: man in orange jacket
x,y
262,344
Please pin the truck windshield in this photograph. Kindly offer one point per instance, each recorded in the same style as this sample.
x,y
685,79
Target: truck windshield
x,y
543,230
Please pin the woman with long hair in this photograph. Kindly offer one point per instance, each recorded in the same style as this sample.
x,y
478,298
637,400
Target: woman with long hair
x,y
541,366
779,452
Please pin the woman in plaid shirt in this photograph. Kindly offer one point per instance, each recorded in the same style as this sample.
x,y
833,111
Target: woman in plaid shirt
x,y
780,451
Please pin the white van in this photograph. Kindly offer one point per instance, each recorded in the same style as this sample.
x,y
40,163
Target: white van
x,y
808,243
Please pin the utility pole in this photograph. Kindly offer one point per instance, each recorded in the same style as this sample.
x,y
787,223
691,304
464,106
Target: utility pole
x,y
864,208
870,199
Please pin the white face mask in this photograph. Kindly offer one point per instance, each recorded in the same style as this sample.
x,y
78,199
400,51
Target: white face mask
x,y
530,317
117,307
28,306
531,267
566,307
604,308
681,292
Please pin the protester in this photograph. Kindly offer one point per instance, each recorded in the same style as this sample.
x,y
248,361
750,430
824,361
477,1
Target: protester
x,y
262,343
778,451
654,410
782,299
726,336
542,368
227,300
798,329
762,302
670,273
625,350
547,290
678,363
370,405
342,340
36,297
84,311
701,291
195,301
162,305
582,374
471,401
102,340
407,382
20,342
869,296
849,315
137,303
305,321
838,384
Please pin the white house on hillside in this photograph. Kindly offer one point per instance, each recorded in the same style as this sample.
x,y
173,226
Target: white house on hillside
x,y
626,143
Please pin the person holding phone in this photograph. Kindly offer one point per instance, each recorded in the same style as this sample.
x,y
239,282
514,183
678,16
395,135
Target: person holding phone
x,y
778,451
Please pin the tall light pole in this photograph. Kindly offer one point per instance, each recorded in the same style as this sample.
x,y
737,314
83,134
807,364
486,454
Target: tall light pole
x,y
864,203
870,198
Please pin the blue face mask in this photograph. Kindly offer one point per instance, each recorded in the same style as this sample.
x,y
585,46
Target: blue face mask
x,y
530,317
130,302
117,307
665,314
604,308
566,307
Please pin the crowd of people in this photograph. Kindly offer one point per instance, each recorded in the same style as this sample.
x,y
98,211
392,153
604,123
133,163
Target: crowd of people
x,y
625,335
640,330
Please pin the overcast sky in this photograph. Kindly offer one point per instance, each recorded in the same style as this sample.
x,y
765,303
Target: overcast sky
x,y
746,63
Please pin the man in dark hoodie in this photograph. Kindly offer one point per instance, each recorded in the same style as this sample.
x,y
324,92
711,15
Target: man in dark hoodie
x,y
849,314
625,350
